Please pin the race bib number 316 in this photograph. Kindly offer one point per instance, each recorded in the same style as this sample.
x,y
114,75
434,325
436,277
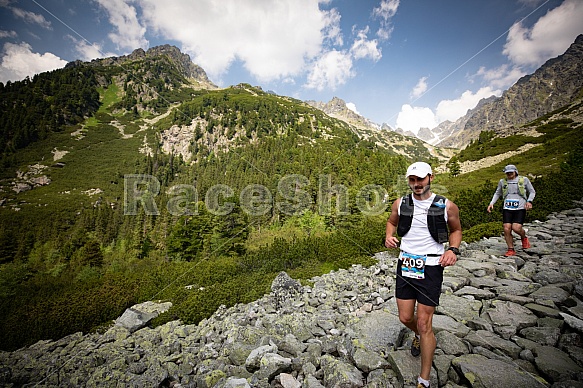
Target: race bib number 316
x,y
413,266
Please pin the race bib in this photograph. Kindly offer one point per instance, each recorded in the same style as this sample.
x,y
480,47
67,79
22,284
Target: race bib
x,y
413,266
511,204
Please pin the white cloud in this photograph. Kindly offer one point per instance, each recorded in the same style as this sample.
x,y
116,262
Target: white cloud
x,y
352,107
331,70
502,77
332,31
364,48
385,11
31,17
273,39
89,51
413,118
18,61
420,88
454,109
549,37
129,33
8,34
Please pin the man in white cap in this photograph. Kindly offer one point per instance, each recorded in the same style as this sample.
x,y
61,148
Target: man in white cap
x,y
424,221
518,194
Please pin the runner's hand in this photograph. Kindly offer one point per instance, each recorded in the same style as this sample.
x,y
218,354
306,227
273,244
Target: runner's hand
x,y
448,258
391,242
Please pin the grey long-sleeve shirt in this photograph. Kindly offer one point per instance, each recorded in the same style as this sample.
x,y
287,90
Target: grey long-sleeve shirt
x,y
513,200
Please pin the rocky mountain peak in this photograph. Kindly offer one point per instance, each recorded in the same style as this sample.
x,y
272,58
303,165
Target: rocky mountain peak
x,y
556,84
182,61
337,108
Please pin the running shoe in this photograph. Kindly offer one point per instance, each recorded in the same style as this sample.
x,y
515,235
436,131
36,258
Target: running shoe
x,y
415,347
525,243
421,385
510,252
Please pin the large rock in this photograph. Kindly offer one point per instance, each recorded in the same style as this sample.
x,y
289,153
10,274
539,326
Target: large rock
x,y
482,372
379,331
554,293
459,308
407,368
491,341
444,322
338,373
556,365
510,315
139,315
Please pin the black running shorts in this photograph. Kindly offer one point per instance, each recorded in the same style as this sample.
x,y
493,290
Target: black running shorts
x,y
513,216
425,291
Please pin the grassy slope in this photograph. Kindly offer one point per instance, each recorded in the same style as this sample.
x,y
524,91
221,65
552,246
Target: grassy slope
x,y
100,159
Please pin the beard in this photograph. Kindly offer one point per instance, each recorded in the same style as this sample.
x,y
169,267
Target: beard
x,y
424,189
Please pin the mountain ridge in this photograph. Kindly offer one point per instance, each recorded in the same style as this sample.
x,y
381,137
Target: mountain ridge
x,y
381,135
556,84
183,62
307,192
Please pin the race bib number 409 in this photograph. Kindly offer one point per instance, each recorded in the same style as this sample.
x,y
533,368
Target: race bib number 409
x,y
413,266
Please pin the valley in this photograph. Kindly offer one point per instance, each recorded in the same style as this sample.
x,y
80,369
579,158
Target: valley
x,y
245,183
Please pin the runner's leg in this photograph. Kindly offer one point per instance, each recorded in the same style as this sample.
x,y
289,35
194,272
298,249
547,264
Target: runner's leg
x,y
508,235
428,342
407,313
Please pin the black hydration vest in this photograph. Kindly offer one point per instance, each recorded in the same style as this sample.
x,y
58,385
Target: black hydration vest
x,y
435,218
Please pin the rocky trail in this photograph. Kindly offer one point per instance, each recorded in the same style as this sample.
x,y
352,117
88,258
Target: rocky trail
x,y
503,322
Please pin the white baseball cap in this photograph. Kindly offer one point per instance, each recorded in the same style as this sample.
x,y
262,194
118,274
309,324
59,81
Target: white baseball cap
x,y
419,169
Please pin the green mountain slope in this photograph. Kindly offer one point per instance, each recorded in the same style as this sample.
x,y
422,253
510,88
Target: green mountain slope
x,y
151,179
73,252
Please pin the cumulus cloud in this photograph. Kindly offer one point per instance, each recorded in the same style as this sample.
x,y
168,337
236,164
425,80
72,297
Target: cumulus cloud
x,y
420,88
454,109
386,11
413,118
352,107
129,34
18,61
549,37
331,70
364,48
273,39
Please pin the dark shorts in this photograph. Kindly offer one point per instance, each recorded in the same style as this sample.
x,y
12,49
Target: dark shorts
x,y
513,216
425,291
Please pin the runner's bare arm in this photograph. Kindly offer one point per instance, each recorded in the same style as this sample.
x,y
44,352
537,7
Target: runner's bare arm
x,y
391,241
455,234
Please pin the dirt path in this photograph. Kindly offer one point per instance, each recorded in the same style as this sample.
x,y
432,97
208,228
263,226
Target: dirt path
x,y
492,160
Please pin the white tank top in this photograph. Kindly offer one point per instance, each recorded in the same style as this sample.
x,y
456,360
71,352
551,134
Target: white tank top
x,y
418,240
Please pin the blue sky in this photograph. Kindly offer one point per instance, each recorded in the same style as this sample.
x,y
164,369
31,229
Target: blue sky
x,y
407,63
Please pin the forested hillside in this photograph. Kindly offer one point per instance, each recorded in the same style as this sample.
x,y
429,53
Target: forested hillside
x,y
126,180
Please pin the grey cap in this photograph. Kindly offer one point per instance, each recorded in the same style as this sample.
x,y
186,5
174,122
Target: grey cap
x,y
510,168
